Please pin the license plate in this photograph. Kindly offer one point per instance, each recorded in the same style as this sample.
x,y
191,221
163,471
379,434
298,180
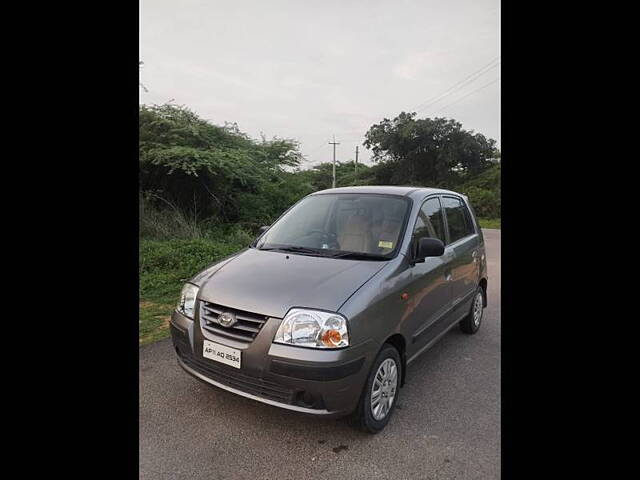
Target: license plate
x,y
221,353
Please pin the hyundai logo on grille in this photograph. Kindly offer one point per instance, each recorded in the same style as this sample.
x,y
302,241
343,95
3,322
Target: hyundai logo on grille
x,y
227,319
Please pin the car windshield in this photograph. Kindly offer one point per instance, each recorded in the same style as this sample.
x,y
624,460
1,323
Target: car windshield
x,y
340,225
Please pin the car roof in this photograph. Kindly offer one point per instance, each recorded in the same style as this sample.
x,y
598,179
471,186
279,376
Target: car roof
x,y
387,189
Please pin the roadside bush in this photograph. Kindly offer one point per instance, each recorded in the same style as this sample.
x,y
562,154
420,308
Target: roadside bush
x,y
484,192
166,223
171,223
166,265
486,203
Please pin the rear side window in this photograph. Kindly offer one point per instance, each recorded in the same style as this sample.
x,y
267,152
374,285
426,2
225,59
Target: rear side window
x,y
429,222
458,218
469,219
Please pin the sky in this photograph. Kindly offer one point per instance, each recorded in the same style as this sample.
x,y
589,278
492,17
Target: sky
x,y
308,70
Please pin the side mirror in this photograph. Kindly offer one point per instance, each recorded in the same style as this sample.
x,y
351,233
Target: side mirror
x,y
263,229
429,247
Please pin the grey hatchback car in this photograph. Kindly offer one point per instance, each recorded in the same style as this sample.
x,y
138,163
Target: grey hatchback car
x,y
325,310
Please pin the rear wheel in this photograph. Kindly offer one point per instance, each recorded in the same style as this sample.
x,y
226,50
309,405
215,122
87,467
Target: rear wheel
x,y
380,394
471,323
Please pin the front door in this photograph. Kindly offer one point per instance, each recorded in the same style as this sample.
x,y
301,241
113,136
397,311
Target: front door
x,y
430,289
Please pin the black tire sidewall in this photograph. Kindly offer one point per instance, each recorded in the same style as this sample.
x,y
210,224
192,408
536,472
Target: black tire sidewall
x,y
367,421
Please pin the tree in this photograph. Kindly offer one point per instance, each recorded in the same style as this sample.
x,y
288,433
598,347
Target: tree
x,y
434,152
196,166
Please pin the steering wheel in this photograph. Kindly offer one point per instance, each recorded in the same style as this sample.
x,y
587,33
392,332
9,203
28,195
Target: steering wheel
x,y
328,238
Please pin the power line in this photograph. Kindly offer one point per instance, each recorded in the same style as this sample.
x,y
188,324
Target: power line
x,y
481,71
452,89
456,86
310,162
468,94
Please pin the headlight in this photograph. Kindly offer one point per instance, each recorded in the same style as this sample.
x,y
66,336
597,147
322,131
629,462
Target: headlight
x,y
313,328
187,303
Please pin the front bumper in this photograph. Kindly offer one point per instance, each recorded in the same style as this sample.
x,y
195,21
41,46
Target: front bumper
x,y
316,382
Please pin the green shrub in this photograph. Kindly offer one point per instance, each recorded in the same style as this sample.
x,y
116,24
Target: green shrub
x,y
485,203
484,193
166,223
166,265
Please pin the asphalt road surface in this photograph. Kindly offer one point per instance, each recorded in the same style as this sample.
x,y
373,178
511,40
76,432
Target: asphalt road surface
x,y
446,424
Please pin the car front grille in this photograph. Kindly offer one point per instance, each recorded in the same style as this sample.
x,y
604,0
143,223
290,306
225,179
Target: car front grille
x,y
235,379
245,329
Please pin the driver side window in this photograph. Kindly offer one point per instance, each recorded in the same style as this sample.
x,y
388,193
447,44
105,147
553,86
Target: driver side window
x,y
429,222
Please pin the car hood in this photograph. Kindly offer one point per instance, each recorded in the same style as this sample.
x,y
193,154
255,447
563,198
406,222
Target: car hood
x,y
270,283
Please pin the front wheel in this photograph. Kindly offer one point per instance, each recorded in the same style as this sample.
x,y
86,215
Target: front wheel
x,y
380,394
471,323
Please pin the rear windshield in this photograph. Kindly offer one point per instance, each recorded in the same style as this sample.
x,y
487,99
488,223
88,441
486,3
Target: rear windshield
x,y
360,223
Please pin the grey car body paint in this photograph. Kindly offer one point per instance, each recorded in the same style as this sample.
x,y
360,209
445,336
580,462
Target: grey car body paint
x,y
367,292
272,282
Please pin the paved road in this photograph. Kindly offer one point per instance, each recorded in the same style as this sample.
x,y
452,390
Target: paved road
x,y
446,426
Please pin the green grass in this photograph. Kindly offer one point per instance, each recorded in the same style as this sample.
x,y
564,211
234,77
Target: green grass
x,y
154,321
164,267
489,222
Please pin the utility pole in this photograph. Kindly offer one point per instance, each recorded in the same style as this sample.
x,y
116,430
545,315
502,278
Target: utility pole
x,y
334,143
356,164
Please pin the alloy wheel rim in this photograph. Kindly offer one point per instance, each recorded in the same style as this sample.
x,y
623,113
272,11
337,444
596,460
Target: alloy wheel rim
x,y
383,390
477,310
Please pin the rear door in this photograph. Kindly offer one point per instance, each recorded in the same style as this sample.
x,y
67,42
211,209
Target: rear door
x,y
463,250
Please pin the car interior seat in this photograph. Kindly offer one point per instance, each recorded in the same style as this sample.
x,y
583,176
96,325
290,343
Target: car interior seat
x,y
356,234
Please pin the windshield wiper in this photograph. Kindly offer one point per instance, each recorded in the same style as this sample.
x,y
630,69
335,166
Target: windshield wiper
x,y
359,256
326,253
301,250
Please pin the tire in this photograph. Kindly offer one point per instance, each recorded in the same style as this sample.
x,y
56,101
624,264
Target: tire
x,y
471,323
365,417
